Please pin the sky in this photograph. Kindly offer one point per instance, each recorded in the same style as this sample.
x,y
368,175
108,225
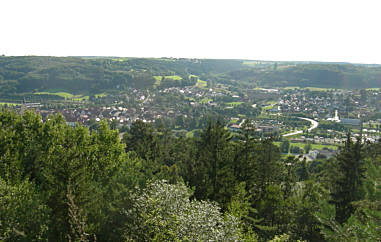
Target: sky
x,y
278,30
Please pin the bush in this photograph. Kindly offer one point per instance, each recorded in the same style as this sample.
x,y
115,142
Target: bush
x,y
163,212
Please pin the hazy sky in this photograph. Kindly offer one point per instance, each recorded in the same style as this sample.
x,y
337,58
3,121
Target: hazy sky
x,y
316,30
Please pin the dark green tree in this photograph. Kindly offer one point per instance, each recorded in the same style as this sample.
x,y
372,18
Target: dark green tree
x,y
285,146
268,167
347,186
304,204
307,147
214,163
23,214
245,155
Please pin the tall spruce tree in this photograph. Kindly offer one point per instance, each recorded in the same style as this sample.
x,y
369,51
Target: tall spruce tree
x,y
215,163
347,187
268,165
245,162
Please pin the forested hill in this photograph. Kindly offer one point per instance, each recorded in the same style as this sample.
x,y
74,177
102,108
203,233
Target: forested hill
x,y
314,75
78,75
90,75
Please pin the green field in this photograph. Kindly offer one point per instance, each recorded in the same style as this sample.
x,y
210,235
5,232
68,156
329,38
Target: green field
x,y
100,95
61,94
233,121
173,77
253,63
65,95
205,100
268,107
250,63
9,104
313,146
189,134
235,103
157,80
80,98
120,59
320,89
291,88
201,84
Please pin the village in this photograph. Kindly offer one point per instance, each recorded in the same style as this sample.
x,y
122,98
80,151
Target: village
x,y
273,112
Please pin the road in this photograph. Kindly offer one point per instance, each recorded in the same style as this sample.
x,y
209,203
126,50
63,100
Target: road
x,y
313,122
243,120
314,125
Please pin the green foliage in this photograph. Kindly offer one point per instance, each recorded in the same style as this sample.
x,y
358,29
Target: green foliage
x,y
214,176
296,150
77,222
23,214
285,146
95,75
140,138
364,223
268,166
163,212
64,183
307,200
280,238
364,226
312,75
307,148
51,154
348,182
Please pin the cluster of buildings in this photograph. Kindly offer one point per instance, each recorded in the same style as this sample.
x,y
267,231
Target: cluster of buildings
x,y
324,104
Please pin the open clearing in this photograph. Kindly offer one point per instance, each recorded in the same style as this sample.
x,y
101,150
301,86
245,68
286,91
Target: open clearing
x,y
9,104
320,89
173,77
313,146
65,95
235,103
201,84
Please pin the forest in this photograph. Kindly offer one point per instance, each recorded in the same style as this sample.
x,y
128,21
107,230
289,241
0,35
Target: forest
x,y
85,75
63,183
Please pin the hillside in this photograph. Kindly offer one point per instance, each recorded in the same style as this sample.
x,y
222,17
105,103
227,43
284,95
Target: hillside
x,y
313,75
91,75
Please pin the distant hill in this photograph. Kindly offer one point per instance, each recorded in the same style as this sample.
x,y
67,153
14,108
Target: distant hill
x,y
98,74
90,74
314,75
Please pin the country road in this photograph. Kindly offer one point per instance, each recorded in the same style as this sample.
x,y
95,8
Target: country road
x,y
314,125
313,122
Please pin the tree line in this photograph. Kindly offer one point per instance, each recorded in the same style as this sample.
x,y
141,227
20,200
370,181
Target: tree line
x,y
62,183
95,75
80,75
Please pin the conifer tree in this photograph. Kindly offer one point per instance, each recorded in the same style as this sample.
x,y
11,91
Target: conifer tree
x,y
347,187
215,163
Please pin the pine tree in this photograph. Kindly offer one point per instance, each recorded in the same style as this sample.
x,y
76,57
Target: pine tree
x,y
215,163
245,155
347,187
268,167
